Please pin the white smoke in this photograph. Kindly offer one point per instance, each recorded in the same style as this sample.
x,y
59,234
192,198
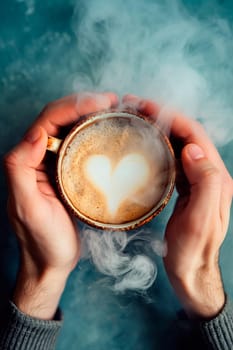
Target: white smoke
x,y
159,49
127,259
29,5
156,49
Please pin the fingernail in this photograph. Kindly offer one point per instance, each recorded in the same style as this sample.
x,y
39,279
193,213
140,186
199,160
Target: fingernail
x,y
195,152
32,135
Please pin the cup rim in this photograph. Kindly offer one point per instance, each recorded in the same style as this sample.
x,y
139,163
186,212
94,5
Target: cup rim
x,y
84,122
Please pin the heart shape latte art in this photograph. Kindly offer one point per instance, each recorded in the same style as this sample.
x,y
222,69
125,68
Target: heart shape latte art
x,y
118,182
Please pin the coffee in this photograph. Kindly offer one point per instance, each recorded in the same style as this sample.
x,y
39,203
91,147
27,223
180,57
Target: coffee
x,y
115,169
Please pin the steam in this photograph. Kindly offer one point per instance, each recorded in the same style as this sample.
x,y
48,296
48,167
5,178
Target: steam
x,y
160,50
30,6
179,56
127,259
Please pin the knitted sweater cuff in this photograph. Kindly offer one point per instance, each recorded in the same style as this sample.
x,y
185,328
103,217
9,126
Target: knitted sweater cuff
x,y
21,331
219,331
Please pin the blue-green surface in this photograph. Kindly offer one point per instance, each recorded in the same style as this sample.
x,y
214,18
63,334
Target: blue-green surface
x,y
178,52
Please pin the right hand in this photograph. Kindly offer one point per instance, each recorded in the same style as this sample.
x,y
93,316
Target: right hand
x,y
200,219
47,234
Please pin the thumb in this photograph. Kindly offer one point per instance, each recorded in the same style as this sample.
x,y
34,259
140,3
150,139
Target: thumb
x,y
204,178
21,162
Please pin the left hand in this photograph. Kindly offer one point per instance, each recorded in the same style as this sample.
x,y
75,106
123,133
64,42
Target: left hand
x,y
46,232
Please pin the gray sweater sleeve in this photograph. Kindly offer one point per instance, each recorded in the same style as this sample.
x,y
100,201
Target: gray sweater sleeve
x,y
218,332
22,332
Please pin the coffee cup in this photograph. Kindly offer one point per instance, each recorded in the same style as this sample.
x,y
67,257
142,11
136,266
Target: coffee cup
x,y
115,169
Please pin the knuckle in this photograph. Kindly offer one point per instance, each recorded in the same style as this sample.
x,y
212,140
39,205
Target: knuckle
x,y
19,210
47,108
211,171
197,125
228,186
212,174
10,160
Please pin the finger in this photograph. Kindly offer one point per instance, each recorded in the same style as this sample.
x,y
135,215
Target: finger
x,y
181,127
42,176
21,163
191,132
210,195
148,107
44,183
45,188
68,109
205,181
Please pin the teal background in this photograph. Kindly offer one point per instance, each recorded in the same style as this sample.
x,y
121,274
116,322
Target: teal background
x,y
39,60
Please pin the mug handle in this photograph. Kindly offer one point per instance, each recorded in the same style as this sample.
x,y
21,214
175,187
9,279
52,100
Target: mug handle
x,y
53,144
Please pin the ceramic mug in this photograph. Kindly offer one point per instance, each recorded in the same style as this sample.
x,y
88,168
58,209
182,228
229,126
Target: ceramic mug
x,y
115,169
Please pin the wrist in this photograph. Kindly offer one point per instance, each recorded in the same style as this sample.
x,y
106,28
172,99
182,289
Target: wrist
x,y
38,296
201,293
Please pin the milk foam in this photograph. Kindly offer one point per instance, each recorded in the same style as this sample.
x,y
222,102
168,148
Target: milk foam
x,y
120,182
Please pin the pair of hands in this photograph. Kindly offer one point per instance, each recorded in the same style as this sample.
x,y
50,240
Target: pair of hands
x,y
47,235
